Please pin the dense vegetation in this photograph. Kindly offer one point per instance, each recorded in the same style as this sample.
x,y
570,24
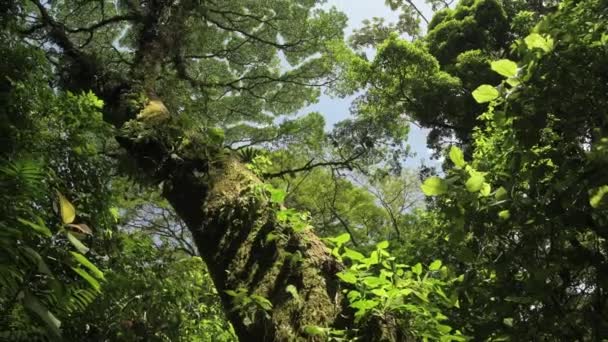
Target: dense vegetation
x,y
161,182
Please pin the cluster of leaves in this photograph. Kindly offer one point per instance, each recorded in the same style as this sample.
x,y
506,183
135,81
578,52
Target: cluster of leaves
x,y
50,141
379,285
153,293
526,214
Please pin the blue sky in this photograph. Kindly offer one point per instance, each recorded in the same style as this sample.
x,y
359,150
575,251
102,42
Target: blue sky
x,y
336,109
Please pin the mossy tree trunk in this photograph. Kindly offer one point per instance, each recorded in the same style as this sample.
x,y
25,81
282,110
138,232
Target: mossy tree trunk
x,y
233,221
216,195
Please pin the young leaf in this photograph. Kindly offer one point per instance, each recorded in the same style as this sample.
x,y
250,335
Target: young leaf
x,y
504,215
434,186
277,195
347,277
535,40
485,189
352,254
485,93
417,269
79,245
501,194
598,195
382,245
505,67
475,182
340,239
68,213
435,265
457,157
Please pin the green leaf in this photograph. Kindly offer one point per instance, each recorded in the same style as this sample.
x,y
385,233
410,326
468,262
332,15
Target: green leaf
x,y
40,228
33,304
92,281
347,277
457,157
314,330
340,239
505,67
474,183
81,259
485,93
417,269
382,245
76,243
444,329
504,215
598,195
352,254
508,321
536,41
277,195
486,189
435,265
434,186
501,194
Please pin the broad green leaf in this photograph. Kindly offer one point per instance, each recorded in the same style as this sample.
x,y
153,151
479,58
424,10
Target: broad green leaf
x,y
505,67
445,329
504,215
79,245
347,277
486,189
435,265
352,254
485,93
434,186
501,194
277,195
382,245
598,195
417,269
40,228
86,276
68,213
81,259
508,321
474,183
535,40
33,304
340,239
457,157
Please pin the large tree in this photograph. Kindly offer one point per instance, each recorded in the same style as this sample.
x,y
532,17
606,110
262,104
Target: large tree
x,y
172,75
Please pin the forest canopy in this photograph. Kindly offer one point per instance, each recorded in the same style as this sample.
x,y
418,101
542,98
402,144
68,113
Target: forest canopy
x,y
162,179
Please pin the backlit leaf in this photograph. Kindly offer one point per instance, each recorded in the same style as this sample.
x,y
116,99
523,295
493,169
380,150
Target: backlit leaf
x,y
505,67
457,157
434,186
485,93
68,213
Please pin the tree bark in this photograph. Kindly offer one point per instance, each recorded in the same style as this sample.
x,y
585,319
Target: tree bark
x,y
221,201
230,217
